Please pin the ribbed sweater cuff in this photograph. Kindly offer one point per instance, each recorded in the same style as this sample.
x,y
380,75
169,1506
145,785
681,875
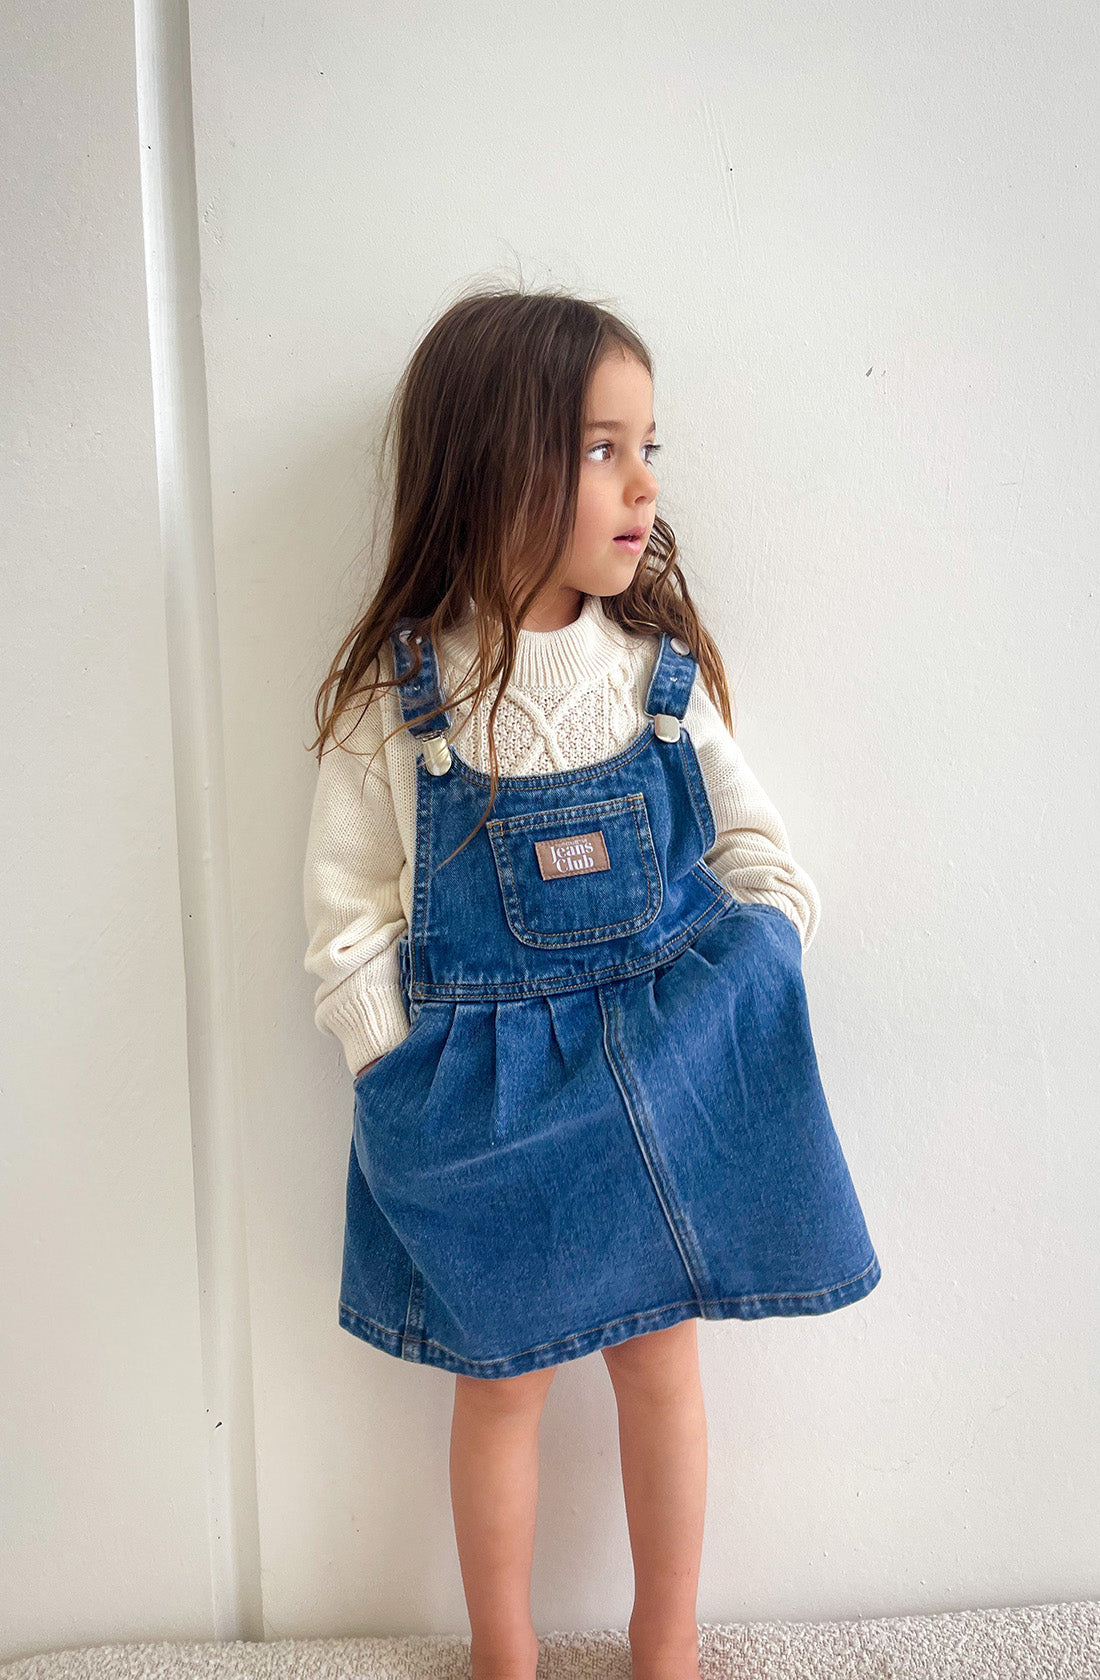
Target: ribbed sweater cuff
x,y
367,1024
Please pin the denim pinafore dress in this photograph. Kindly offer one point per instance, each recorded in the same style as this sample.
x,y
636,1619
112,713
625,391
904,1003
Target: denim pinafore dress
x,y
607,1114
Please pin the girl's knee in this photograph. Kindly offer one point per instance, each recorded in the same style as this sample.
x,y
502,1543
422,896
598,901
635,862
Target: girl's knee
x,y
519,1393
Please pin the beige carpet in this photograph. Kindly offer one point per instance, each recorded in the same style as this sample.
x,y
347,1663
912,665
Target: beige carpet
x,y
1036,1642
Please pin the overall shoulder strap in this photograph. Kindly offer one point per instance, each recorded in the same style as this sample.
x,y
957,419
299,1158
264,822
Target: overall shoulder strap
x,y
422,694
670,686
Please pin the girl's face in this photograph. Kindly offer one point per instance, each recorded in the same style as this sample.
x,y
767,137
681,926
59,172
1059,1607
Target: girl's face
x,y
617,492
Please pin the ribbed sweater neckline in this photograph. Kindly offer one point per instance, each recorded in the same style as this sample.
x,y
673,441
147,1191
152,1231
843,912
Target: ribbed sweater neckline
x,y
576,654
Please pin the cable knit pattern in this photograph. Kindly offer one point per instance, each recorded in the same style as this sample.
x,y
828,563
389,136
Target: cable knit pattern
x,y
577,696
541,730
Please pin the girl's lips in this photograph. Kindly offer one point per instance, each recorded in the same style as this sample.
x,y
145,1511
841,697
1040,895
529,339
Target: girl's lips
x,y
634,544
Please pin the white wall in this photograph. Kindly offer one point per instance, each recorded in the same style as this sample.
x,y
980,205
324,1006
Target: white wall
x,y
862,245
104,1482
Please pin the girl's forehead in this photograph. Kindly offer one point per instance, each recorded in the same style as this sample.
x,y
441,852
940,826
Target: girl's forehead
x,y
615,384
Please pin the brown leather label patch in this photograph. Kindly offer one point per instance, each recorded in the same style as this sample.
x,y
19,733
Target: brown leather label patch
x,y
576,854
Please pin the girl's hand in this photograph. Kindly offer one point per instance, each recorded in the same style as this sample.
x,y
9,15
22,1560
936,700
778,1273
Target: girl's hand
x,y
365,1066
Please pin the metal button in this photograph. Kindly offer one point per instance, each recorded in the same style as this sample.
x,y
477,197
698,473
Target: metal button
x,y
666,727
678,646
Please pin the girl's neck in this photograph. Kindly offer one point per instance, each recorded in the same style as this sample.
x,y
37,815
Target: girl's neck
x,y
558,613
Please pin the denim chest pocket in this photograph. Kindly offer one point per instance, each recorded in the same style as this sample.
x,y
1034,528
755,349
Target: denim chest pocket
x,y
578,874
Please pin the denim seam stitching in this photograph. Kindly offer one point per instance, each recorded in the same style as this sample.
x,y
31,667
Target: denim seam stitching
x,y
643,1131
617,805
473,991
690,772
413,1319
653,1312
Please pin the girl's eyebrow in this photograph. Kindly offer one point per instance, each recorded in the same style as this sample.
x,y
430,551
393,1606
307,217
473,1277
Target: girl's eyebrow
x,y
615,426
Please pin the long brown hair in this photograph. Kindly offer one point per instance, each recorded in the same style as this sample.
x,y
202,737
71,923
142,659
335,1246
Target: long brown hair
x,y
488,423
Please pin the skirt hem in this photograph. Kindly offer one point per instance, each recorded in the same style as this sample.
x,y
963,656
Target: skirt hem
x,y
421,1351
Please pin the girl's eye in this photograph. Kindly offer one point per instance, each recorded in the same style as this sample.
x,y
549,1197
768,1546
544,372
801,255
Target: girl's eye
x,y
652,447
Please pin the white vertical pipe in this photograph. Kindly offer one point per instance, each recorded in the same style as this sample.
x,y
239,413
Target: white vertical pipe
x,y
169,204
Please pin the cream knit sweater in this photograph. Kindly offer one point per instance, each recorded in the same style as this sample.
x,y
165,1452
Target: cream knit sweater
x,y
576,696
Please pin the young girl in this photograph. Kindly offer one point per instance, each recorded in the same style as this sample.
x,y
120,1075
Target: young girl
x,y
567,978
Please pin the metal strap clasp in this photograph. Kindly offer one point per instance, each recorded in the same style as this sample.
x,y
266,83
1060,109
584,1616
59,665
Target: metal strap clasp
x,y
437,754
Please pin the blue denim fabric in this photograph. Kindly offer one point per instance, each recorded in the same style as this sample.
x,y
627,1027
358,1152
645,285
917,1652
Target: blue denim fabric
x,y
607,1114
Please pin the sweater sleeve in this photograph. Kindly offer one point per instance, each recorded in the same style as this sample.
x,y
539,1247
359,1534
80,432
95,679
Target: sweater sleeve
x,y
354,917
751,855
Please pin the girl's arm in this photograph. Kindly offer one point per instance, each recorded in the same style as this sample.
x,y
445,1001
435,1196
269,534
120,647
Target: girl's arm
x,y
353,911
751,855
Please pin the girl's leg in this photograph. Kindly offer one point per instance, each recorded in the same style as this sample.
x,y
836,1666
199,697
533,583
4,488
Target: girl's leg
x,y
494,1493
663,1450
